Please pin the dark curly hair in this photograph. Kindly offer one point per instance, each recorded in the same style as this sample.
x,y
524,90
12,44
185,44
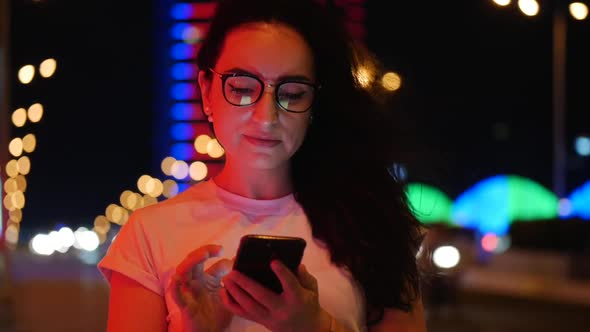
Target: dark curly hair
x,y
340,173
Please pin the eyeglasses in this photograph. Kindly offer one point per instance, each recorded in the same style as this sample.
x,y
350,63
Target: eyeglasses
x,y
242,89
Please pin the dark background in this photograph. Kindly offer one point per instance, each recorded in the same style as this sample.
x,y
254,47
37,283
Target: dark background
x,y
476,94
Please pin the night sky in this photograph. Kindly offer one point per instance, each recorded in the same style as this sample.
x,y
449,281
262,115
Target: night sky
x,y
476,94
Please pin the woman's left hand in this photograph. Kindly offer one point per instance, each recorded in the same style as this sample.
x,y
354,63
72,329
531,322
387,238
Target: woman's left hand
x,y
297,308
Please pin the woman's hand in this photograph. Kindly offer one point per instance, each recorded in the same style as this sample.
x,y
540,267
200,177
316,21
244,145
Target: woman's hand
x,y
295,309
197,291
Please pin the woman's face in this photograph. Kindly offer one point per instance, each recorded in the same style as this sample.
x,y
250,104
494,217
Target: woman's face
x,y
262,135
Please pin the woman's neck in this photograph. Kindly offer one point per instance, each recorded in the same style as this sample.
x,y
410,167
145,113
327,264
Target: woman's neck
x,y
255,183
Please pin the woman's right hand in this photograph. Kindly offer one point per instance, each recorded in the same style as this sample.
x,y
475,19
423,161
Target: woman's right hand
x,y
196,291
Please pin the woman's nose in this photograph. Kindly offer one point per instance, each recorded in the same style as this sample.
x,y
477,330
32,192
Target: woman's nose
x,y
265,111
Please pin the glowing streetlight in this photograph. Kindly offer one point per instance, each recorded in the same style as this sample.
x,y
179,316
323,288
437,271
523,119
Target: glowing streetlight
x,y
529,7
578,10
502,3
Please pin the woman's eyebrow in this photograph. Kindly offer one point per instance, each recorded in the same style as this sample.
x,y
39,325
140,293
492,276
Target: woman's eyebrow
x,y
239,70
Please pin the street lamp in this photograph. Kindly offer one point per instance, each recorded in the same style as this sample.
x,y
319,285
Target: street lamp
x,y
578,11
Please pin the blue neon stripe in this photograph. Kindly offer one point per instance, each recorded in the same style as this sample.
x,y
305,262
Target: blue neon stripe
x,y
182,111
177,30
184,71
182,132
182,91
183,186
182,151
181,11
182,51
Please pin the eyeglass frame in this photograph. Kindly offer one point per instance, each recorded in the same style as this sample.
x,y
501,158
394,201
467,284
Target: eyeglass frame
x,y
224,77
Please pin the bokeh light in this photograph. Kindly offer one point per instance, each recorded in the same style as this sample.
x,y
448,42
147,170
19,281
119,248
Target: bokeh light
x,y
102,224
12,168
15,147
578,10
582,146
26,74
35,112
167,165
29,143
47,67
24,165
19,117
364,76
201,143
198,170
142,182
180,169
214,149
502,2
170,188
529,7
446,257
391,81
154,187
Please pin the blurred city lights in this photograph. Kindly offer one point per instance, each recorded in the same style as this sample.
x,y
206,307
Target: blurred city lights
x,y
489,242
446,257
529,7
19,117
87,240
502,2
364,76
26,74
583,146
15,147
167,165
29,143
23,165
11,234
42,244
102,224
154,187
12,168
198,170
142,182
564,208
391,81
170,188
201,143
35,112
578,10
180,169
214,149
47,67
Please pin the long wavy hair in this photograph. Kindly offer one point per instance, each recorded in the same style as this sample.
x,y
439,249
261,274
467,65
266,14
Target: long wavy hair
x,y
341,172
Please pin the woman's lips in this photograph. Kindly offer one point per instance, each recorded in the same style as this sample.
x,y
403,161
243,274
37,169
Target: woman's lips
x,y
262,141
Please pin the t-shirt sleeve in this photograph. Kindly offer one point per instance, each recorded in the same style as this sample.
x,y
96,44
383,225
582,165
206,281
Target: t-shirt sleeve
x,y
130,255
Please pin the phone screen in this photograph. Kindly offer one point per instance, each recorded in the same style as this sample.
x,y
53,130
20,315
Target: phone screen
x,y
257,251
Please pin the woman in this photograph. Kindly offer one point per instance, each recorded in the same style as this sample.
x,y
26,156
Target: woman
x,y
307,153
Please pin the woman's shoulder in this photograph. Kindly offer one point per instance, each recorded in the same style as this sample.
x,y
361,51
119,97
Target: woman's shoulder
x,y
195,197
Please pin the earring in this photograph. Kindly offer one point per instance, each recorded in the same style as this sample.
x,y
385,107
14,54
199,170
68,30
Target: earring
x,y
210,118
310,119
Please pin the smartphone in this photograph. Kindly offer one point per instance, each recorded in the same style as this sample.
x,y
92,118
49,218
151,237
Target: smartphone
x,y
257,251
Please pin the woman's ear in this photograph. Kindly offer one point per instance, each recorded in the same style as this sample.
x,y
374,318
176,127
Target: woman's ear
x,y
205,87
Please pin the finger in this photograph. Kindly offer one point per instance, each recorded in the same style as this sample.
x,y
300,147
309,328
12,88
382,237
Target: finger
x,y
231,305
220,269
181,293
307,280
260,293
196,258
245,301
286,277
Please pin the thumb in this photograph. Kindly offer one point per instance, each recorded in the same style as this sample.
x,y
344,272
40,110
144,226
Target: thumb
x,y
306,279
220,268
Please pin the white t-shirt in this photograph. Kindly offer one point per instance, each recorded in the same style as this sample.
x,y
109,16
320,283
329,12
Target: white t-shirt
x,y
158,237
